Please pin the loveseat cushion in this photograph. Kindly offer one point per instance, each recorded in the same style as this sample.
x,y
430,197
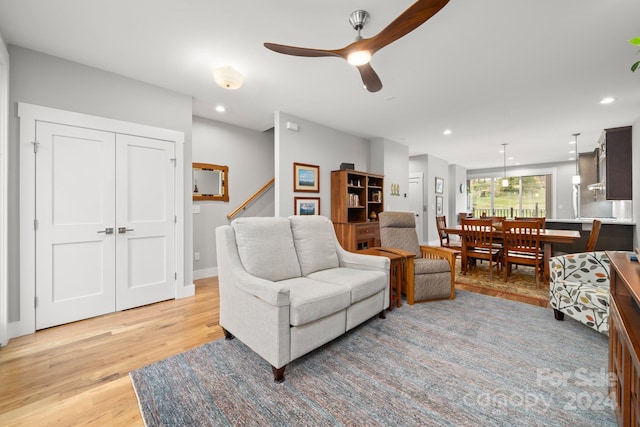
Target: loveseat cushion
x,y
315,243
361,283
266,248
586,294
312,300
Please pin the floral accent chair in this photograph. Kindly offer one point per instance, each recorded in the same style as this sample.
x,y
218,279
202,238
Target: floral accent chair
x,y
580,288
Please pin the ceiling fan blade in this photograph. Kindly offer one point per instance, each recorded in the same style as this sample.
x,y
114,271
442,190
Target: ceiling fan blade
x,y
301,51
416,15
369,78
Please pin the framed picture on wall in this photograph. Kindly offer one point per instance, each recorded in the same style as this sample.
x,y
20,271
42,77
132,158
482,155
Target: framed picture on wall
x,y
306,205
439,185
439,208
306,178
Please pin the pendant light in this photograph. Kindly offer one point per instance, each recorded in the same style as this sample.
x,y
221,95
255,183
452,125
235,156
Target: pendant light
x,y
505,181
576,178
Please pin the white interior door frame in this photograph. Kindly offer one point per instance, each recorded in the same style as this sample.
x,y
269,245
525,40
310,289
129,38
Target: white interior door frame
x,y
416,196
29,114
4,137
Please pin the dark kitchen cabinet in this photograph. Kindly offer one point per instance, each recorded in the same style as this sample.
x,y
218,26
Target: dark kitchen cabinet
x,y
616,143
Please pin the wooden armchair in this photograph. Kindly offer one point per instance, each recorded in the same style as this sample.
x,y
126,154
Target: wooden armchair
x,y
430,269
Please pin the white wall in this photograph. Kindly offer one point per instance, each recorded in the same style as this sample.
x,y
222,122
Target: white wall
x,y
4,134
250,158
432,167
457,198
313,144
53,82
391,159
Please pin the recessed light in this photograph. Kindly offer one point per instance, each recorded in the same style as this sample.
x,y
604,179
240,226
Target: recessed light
x,y
221,109
571,142
447,132
607,100
572,151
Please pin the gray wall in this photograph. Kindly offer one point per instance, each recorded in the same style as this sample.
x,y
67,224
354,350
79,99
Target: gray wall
x,y
458,200
249,156
53,82
391,160
313,144
432,167
635,168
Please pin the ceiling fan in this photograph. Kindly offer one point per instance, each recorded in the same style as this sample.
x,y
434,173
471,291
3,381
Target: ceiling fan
x,y
360,51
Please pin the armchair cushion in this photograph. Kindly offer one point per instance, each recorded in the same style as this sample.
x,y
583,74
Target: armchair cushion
x,y
266,247
430,266
314,239
398,230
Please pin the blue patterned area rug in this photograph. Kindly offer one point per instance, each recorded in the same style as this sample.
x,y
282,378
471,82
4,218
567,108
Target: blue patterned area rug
x,y
476,360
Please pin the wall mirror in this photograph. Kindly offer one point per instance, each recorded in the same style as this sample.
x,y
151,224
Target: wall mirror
x,y
210,182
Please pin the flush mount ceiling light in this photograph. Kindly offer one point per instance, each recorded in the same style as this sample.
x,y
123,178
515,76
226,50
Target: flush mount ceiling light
x,y
227,77
607,100
221,109
447,132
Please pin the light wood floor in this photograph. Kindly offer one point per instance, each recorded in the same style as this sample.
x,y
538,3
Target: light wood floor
x,y
78,374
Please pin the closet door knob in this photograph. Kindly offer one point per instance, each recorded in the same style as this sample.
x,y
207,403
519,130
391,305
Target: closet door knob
x,y
123,230
108,230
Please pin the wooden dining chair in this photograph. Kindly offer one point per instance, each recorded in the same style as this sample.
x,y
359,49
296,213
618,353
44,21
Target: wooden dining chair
x,y
593,236
521,241
477,243
542,219
445,241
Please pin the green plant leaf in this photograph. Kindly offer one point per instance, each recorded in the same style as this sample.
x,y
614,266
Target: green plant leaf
x,y
634,67
635,41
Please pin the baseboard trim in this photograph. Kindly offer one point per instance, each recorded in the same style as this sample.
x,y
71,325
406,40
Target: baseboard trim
x,y
204,273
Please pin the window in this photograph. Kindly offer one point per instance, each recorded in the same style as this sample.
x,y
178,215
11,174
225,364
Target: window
x,y
524,196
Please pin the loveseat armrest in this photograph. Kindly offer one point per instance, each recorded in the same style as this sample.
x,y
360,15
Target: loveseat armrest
x,y
273,293
363,261
583,267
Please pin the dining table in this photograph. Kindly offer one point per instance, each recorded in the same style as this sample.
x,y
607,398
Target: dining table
x,y
547,238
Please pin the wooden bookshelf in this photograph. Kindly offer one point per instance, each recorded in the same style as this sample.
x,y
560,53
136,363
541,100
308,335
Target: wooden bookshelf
x,y
356,200
624,336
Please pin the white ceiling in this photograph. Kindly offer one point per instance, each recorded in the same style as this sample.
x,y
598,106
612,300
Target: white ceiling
x,y
528,73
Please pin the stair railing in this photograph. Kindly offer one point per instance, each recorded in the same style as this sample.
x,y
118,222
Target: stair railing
x,y
250,200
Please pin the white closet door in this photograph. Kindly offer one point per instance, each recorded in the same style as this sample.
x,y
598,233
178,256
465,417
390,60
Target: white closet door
x,y
145,218
75,190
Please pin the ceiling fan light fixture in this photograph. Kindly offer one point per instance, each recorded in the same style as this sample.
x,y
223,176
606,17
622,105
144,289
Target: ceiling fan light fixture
x,y
359,57
227,77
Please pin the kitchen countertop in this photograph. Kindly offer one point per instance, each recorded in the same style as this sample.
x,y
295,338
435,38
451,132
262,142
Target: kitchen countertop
x,y
614,221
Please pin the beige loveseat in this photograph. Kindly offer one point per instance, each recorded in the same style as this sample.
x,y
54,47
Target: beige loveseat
x,y
287,286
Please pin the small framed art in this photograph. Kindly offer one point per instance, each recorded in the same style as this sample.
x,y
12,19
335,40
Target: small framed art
x,y
306,205
439,185
439,208
306,178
